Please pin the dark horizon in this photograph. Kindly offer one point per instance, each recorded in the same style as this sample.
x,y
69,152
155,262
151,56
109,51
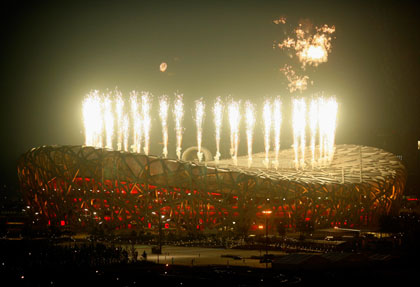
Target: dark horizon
x,y
54,54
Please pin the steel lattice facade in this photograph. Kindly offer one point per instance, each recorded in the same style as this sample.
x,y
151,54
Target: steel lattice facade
x,y
86,187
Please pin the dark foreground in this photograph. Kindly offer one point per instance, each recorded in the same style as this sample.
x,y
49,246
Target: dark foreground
x,y
31,263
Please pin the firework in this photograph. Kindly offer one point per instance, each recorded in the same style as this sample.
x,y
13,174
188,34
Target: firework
x,y
311,48
163,114
327,125
147,122
119,104
234,119
199,118
125,132
277,118
92,119
218,118
313,125
299,125
281,20
296,82
109,121
137,122
267,115
178,112
250,123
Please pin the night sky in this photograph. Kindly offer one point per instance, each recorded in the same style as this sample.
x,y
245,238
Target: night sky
x,y
54,52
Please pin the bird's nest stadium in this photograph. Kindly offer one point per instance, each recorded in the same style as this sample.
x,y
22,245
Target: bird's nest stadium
x,y
85,187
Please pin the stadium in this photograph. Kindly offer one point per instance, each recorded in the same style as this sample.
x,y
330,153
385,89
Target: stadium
x,y
85,188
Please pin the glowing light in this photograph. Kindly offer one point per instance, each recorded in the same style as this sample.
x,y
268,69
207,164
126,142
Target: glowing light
x,y
163,66
234,119
199,118
250,123
119,109
311,48
267,115
125,132
218,118
163,114
296,82
313,125
281,20
92,119
109,121
299,125
277,118
137,122
178,115
145,108
327,125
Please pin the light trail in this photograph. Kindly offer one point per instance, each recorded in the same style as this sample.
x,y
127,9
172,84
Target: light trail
x,y
218,119
178,112
163,114
234,120
146,106
199,118
277,119
250,123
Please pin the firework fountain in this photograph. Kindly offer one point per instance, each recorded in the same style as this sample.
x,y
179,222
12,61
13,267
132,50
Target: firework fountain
x,y
125,131
103,125
137,122
92,117
119,109
327,124
145,108
178,116
277,118
163,114
250,123
199,118
109,121
313,124
234,120
218,119
267,115
299,124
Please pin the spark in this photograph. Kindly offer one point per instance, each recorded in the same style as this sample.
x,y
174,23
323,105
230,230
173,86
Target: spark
x,y
311,48
277,128
109,121
178,112
163,114
281,20
267,115
119,104
299,125
199,118
145,108
313,125
125,132
234,119
92,119
218,118
250,123
327,125
137,122
296,82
